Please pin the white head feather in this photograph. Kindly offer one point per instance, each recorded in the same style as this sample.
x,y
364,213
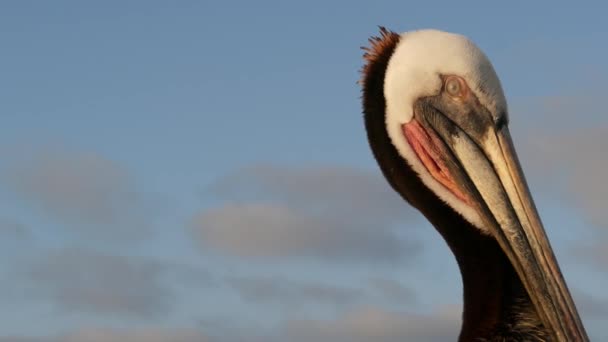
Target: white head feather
x,y
414,71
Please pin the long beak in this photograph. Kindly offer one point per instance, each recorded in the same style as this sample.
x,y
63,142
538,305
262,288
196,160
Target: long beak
x,y
507,209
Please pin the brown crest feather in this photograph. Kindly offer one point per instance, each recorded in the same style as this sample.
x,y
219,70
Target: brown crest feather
x,y
378,45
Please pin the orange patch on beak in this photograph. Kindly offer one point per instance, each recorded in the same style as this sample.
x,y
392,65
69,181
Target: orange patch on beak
x,y
426,146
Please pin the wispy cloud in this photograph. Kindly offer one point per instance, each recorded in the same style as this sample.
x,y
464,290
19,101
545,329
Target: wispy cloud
x,y
266,230
591,306
144,334
574,163
136,335
594,253
286,292
85,191
14,338
10,229
377,324
331,213
393,291
86,281
336,190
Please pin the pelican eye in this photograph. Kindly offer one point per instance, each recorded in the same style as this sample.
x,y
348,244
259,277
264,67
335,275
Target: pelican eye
x,y
455,86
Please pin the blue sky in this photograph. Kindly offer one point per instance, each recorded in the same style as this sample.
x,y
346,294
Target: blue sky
x,y
198,171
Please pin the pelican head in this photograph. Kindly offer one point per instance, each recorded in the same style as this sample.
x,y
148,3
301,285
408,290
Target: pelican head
x,y
437,122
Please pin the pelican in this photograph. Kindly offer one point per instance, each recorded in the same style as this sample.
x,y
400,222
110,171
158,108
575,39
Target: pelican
x,y
437,123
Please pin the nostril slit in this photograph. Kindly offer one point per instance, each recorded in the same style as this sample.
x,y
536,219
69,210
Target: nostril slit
x,y
501,122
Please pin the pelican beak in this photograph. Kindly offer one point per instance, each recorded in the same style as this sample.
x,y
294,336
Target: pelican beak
x,y
487,171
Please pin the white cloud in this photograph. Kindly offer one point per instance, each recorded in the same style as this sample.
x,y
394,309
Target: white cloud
x,y
392,290
378,325
286,292
10,229
331,213
139,334
336,190
591,306
573,162
136,335
15,338
266,230
593,252
86,281
85,191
